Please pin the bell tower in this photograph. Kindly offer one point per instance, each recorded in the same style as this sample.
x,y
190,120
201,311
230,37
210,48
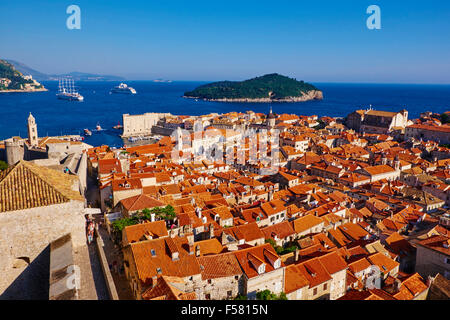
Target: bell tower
x,y
32,131
271,119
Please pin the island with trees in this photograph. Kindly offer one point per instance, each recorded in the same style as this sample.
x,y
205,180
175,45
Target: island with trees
x,y
268,88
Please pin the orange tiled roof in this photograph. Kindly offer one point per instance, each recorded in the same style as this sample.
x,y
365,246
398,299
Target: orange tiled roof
x,y
437,243
141,202
385,264
259,254
219,266
307,222
166,289
155,229
411,287
209,246
281,230
314,272
294,279
26,185
249,232
147,265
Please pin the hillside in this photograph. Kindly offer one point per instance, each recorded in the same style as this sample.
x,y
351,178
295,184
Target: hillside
x,y
76,76
13,80
267,88
26,70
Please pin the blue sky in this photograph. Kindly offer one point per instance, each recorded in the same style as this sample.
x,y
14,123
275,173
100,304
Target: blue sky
x,y
318,41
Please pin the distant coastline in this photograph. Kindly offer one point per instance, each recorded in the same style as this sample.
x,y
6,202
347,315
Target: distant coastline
x,y
24,90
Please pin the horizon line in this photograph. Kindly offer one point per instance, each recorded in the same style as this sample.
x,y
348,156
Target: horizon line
x,y
312,82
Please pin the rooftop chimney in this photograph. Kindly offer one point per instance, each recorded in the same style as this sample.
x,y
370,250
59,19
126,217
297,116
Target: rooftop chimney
x,y
190,239
296,255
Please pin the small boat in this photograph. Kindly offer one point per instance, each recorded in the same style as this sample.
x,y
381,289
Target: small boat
x,y
132,139
98,128
123,88
118,126
87,132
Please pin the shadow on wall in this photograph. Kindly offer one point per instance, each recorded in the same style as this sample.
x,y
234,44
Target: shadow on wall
x,y
97,273
33,282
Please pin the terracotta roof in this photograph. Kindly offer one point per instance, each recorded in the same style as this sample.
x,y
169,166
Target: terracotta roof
x,y
411,287
445,128
259,254
307,222
209,246
273,207
359,265
381,169
219,266
294,279
249,232
147,265
437,243
126,184
155,229
166,289
353,231
382,113
26,185
333,262
439,289
141,202
314,271
106,166
281,230
399,245
385,264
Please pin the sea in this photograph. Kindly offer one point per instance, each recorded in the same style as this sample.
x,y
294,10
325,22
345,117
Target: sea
x,y
56,117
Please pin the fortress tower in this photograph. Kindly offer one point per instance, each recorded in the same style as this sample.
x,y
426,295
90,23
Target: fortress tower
x,y
32,131
14,150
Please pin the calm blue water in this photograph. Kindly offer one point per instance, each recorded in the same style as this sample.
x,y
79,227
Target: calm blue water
x,y
56,117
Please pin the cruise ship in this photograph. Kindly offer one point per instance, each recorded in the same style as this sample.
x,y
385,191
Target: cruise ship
x,y
123,88
67,90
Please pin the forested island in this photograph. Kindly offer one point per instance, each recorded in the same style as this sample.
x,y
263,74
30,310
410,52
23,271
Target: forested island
x,y
12,80
268,88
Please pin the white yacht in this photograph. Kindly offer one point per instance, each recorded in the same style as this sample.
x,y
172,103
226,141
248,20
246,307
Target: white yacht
x,y
123,88
67,90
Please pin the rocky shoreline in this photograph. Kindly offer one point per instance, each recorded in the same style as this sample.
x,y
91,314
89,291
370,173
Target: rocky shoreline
x,y
16,90
311,95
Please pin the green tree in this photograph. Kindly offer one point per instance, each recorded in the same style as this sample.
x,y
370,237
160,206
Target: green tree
x,y
270,85
3,165
164,213
268,295
445,118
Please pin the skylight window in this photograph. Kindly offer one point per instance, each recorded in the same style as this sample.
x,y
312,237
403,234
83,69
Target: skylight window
x,y
153,252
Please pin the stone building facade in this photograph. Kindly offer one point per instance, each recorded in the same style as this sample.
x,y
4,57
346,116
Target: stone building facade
x,y
141,124
37,206
433,257
374,121
439,134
